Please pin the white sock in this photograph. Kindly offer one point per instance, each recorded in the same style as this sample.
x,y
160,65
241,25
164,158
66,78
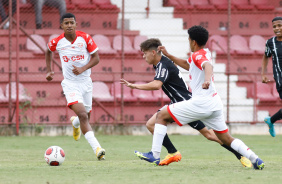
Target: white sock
x,y
240,147
159,133
89,136
76,122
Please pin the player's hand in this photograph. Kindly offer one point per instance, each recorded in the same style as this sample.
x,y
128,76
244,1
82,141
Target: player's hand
x,y
77,70
49,76
163,50
264,79
128,84
206,85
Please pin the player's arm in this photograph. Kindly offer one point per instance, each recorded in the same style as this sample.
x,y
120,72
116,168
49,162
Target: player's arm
x,y
154,85
208,75
263,69
93,62
180,62
48,58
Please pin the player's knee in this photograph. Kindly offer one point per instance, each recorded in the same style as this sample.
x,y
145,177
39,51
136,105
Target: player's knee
x,y
210,137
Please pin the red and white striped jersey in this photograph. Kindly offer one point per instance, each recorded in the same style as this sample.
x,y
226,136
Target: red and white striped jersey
x,y
75,53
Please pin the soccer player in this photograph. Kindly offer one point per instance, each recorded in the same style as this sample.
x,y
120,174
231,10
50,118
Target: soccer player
x,y
273,47
169,78
78,54
205,104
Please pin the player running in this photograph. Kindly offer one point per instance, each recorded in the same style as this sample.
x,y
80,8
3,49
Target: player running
x,y
169,78
273,47
78,54
205,104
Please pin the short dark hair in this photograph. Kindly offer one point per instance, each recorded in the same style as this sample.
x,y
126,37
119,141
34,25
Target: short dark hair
x,y
199,34
150,44
67,15
276,18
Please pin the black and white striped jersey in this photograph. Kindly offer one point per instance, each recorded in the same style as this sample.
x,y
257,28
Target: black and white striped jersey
x,y
274,49
174,85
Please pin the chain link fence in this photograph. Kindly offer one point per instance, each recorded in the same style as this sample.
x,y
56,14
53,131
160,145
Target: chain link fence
x,y
237,41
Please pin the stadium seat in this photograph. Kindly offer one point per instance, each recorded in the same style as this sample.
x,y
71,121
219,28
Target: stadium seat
x,y
3,98
127,95
144,95
242,5
218,43
105,4
128,49
239,45
22,93
257,44
33,47
221,4
264,93
84,4
202,4
101,92
138,40
262,4
179,4
52,36
161,95
104,45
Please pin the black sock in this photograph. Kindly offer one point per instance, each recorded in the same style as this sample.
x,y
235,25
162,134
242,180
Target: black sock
x,y
168,145
276,116
238,155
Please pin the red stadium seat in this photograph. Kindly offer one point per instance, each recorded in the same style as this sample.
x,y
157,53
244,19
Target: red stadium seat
x,y
3,98
34,48
101,92
218,43
105,4
239,45
221,4
161,95
128,49
202,4
127,95
257,43
22,93
104,45
264,93
84,4
262,4
144,95
179,4
242,4
138,40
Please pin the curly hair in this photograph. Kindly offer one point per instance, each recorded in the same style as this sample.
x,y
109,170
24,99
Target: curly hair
x,y
199,34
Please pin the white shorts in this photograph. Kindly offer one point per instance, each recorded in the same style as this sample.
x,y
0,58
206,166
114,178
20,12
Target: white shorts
x,y
188,111
78,92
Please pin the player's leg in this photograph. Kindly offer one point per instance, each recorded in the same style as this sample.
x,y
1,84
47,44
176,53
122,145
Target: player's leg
x,y
210,135
173,154
221,131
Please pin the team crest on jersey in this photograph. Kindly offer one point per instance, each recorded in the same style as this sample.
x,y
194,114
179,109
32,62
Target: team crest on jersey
x,y
80,45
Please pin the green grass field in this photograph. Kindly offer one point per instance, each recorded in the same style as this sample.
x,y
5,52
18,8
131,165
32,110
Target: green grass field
x,y
22,161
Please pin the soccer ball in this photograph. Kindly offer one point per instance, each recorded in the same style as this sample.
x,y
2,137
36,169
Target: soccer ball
x,y
54,156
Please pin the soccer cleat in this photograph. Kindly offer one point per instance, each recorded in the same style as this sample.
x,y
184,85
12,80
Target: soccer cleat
x,y
148,157
259,165
174,157
76,131
100,153
246,162
270,125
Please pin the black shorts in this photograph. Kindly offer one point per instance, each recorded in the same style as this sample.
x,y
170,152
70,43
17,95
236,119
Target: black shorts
x,y
198,125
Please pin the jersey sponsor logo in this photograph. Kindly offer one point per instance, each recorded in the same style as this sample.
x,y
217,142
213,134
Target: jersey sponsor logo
x,y
163,72
73,58
198,57
80,45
